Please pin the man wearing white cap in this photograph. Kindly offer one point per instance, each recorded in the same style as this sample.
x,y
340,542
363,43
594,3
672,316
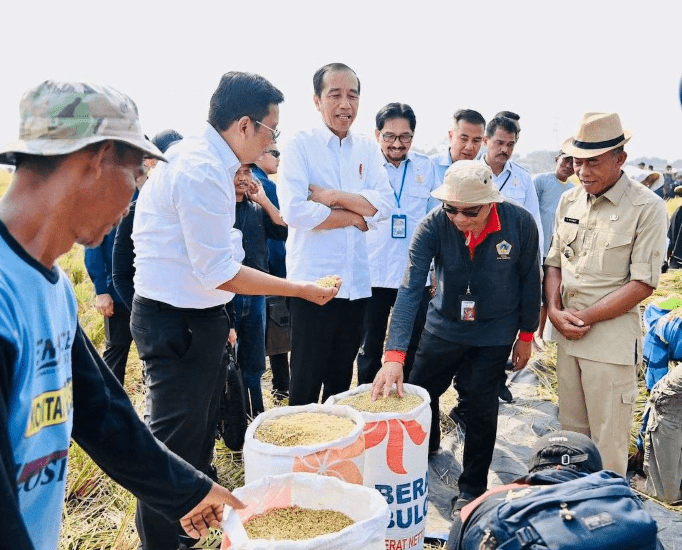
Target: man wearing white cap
x,y
606,256
487,304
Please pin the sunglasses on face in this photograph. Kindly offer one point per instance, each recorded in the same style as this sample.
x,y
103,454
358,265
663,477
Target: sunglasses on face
x,y
274,153
468,212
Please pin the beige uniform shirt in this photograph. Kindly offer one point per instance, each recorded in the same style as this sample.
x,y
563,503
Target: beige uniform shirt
x,y
600,244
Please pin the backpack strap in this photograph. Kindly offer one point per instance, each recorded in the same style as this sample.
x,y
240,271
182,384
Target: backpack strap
x,y
523,539
564,460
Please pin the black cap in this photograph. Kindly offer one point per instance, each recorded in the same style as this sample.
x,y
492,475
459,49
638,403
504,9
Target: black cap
x,y
164,139
566,449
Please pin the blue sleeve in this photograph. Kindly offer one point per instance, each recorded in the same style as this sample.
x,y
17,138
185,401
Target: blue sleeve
x,y
423,249
97,269
123,268
107,427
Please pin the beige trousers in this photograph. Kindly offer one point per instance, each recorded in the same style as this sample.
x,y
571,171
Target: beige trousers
x,y
597,399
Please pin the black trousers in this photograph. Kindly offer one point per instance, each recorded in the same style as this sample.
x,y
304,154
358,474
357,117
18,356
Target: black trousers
x,y
279,364
324,342
182,350
376,321
118,339
436,362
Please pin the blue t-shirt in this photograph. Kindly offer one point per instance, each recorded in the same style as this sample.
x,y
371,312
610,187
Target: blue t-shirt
x,y
38,317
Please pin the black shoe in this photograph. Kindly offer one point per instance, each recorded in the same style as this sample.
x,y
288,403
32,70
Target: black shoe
x,y
505,393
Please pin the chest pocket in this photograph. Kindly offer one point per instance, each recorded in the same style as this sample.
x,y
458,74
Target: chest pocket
x,y
614,251
567,234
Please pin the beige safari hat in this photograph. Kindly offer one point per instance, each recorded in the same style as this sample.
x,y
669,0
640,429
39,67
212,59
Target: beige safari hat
x,y
57,118
469,182
598,133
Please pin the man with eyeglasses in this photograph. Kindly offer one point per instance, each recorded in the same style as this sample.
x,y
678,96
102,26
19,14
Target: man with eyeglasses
x,y
412,178
465,138
486,307
186,273
333,188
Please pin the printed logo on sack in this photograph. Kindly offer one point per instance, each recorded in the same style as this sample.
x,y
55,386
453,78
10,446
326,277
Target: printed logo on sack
x,y
49,409
45,470
411,501
375,433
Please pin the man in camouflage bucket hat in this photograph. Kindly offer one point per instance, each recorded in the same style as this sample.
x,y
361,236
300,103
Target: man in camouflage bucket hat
x,y
77,160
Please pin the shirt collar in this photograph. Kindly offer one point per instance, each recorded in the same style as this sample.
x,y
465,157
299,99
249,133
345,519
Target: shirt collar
x,y
494,225
409,157
507,166
329,135
225,153
615,193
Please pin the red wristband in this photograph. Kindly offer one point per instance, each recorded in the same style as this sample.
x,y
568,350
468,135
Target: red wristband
x,y
525,336
394,355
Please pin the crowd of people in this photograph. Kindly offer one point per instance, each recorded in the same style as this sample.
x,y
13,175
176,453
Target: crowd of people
x,y
441,258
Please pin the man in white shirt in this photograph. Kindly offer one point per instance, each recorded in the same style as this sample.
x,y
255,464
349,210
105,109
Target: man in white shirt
x,y
186,272
512,180
412,177
465,137
333,188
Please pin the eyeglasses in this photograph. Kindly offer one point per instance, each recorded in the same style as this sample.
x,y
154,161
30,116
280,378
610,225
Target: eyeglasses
x,y
274,152
468,212
275,133
390,138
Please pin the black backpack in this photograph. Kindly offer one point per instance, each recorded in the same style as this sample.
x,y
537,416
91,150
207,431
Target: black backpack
x,y
597,511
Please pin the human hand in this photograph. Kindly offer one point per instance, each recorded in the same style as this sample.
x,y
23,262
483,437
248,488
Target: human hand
x,y
359,222
521,354
321,195
209,512
568,323
318,293
232,337
391,373
256,192
105,304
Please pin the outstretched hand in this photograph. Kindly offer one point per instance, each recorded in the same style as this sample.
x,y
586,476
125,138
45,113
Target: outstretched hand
x,y
318,294
209,512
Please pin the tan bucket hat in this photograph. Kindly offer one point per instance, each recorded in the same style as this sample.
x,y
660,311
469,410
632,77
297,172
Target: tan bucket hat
x,y
58,118
598,133
468,182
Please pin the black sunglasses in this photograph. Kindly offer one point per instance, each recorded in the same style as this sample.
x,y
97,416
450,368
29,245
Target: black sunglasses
x,y
468,212
274,152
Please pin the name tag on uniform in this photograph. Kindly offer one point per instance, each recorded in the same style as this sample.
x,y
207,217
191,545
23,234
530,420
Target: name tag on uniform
x,y
572,220
399,226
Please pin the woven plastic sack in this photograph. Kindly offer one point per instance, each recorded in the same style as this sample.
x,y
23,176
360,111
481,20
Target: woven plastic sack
x,y
364,506
397,465
343,458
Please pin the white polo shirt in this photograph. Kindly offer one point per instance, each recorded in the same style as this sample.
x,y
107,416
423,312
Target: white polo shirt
x,y
412,182
183,225
353,164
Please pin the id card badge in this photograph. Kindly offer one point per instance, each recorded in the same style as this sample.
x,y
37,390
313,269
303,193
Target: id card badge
x,y
467,308
399,226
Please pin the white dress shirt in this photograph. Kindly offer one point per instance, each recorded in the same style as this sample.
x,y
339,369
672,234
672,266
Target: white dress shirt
x,y
515,183
353,164
183,221
388,255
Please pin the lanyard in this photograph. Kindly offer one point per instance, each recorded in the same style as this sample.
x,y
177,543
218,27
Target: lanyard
x,y
402,183
505,181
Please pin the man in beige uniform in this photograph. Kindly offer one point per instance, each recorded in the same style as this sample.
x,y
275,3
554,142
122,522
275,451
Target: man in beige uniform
x,y
606,255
